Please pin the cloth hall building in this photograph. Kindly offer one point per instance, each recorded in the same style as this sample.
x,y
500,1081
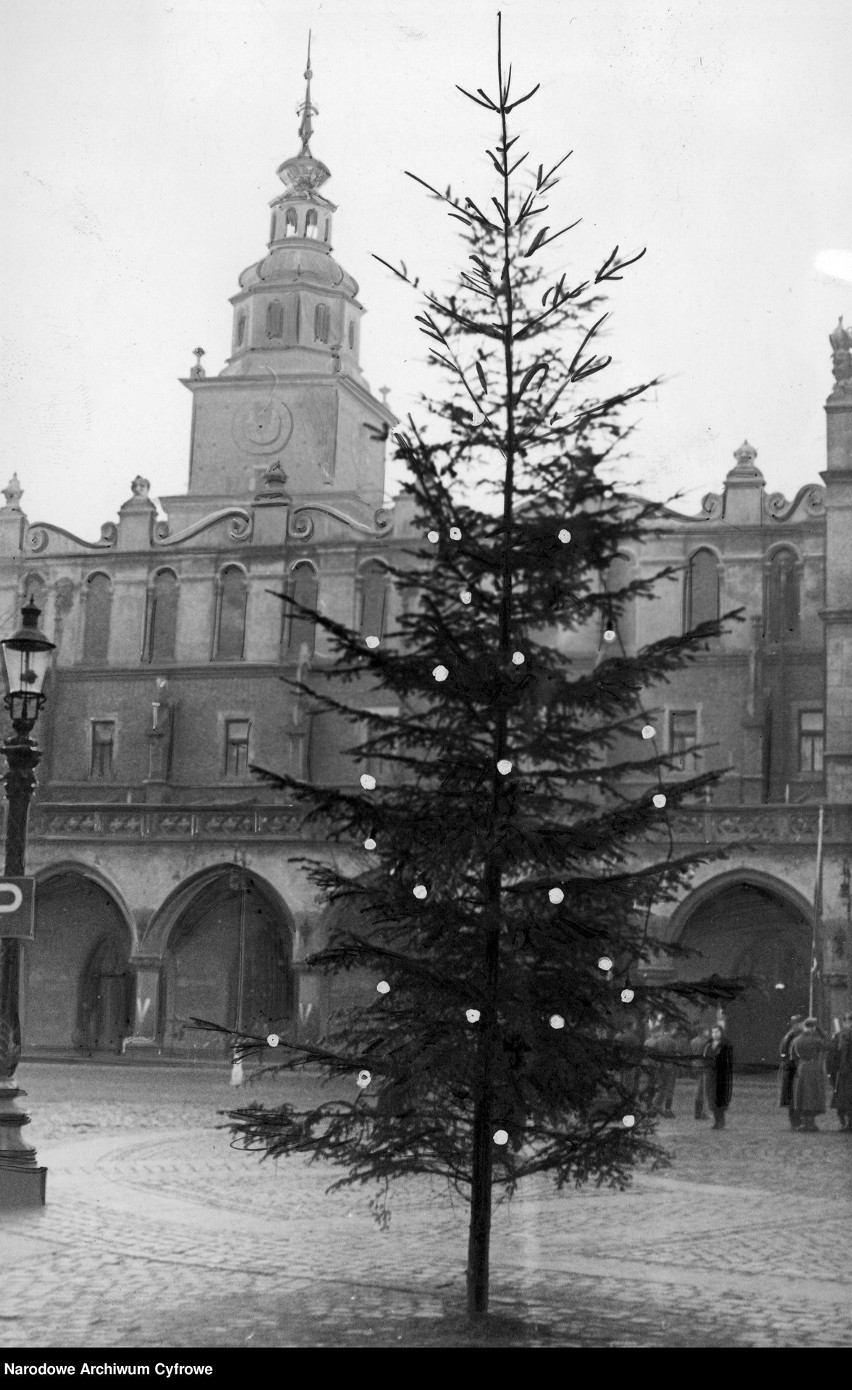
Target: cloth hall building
x,y
166,881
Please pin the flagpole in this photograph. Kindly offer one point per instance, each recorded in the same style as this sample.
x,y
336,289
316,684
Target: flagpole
x,y
817,912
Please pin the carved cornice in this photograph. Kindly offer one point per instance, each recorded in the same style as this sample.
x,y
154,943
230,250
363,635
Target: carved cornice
x,y
770,825
239,530
763,824
116,822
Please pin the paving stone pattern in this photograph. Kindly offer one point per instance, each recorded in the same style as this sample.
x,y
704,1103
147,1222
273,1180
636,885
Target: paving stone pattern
x,y
158,1233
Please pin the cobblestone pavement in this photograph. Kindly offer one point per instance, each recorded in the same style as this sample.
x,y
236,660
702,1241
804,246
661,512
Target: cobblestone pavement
x,y
157,1233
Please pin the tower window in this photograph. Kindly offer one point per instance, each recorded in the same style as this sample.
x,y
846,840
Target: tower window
x,y
231,615
781,619
311,228
321,323
98,609
811,740
352,335
241,329
162,617
272,228
290,223
683,733
236,747
275,319
374,588
103,748
327,229
702,589
298,628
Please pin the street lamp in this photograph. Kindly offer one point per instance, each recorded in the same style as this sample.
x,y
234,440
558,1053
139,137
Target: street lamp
x,y
26,661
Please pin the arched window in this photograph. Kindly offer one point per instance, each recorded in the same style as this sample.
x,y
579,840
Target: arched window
x,y
781,611
275,319
272,228
231,614
34,590
321,323
290,224
374,590
162,616
702,589
311,228
241,329
327,229
98,608
621,617
352,335
304,588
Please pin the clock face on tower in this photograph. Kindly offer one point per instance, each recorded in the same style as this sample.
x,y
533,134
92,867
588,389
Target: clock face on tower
x,y
262,428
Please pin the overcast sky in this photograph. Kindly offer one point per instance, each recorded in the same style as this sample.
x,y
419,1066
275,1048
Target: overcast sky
x,y
142,138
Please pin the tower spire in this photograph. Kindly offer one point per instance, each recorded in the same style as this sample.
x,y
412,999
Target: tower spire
x,y
307,109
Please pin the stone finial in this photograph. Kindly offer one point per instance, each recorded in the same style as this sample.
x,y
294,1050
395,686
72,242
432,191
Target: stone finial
x,y
745,456
384,392
140,487
197,373
13,492
274,481
841,356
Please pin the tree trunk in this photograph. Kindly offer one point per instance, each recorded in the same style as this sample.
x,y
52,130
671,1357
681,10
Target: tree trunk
x,y
482,1157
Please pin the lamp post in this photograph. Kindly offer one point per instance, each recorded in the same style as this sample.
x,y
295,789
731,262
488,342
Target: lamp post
x,y
26,660
237,879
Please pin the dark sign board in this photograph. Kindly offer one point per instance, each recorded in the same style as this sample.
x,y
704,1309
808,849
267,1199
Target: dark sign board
x,y
17,907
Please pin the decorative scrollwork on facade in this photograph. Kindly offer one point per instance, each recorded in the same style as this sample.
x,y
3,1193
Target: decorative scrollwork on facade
x,y
39,534
302,528
239,530
711,507
811,498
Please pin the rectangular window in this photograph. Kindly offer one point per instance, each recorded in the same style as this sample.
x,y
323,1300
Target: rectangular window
x,y
236,747
811,739
683,735
103,748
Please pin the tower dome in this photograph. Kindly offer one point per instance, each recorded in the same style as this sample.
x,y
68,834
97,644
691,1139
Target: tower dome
x,y
297,309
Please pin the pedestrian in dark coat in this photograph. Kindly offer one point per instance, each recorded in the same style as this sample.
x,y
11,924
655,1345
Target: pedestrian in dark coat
x,y
808,1052
787,1070
718,1076
696,1048
840,1068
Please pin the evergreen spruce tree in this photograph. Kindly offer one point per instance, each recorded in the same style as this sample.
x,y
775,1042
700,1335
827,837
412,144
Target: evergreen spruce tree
x,y
496,887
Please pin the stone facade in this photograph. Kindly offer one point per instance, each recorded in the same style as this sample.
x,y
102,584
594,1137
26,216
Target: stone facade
x,y
168,886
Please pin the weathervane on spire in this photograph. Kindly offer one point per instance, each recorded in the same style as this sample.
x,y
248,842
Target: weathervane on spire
x,y
307,109
303,174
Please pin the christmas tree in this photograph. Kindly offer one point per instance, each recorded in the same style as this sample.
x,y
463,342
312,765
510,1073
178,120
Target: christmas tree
x,y
498,876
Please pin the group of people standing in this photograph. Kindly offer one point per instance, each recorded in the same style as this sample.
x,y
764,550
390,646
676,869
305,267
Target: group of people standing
x,y
708,1055
811,1063
808,1061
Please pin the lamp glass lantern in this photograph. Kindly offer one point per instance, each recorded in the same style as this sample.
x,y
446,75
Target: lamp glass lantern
x,y
26,663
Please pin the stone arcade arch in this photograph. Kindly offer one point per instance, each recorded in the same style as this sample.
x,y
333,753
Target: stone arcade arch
x,y
209,974
748,923
78,989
